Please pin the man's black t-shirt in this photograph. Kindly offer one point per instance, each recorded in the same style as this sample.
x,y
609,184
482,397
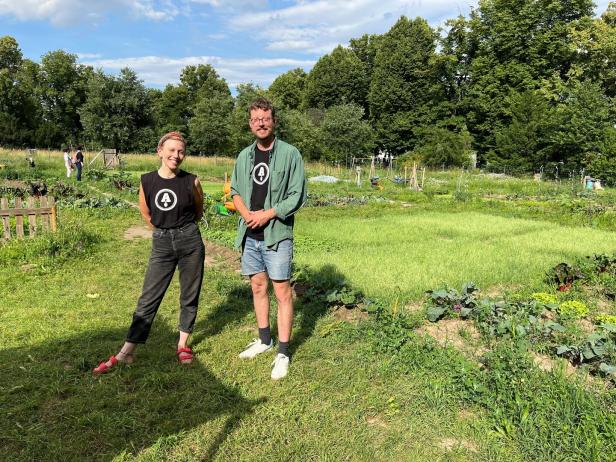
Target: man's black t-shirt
x,y
260,184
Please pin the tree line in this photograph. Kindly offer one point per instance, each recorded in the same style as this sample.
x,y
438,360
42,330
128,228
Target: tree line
x,y
520,83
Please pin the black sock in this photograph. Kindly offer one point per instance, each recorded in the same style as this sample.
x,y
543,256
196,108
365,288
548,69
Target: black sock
x,y
283,347
265,335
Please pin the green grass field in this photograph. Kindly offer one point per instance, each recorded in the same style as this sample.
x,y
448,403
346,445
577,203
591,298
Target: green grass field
x,y
372,389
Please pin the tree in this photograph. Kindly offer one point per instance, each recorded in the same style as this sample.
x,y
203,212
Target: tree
x,y
439,146
62,92
337,78
584,122
209,125
172,109
210,128
344,134
402,83
523,145
288,88
302,131
521,45
118,113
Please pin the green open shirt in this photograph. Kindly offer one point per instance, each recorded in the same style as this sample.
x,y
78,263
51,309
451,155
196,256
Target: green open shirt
x,y
286,191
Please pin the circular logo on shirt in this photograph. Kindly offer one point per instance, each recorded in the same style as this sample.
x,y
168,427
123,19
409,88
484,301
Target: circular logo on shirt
x,y
165,199
260,174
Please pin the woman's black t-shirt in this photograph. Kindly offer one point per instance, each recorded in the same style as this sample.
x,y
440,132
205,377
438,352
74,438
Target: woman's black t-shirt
x,y
171,200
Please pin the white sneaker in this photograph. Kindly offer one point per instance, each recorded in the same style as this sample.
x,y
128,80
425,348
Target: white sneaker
x,y
256,347
281,366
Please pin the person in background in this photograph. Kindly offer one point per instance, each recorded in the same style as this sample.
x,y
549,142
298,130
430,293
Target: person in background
x,y
79,162
68,163
268,187
171,203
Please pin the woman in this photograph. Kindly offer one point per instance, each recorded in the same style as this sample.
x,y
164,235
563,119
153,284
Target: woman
x,y
171,202
68,163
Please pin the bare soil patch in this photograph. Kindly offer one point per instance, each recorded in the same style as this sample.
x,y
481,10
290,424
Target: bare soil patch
x,y
547,364
449,332
138,231
221,258
352,315
449,444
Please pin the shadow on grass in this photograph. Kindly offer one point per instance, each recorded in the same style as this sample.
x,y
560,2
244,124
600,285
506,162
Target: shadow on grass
x,y
54,409
309,306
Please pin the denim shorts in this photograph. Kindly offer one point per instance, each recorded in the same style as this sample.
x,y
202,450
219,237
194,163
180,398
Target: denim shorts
x,y
257,258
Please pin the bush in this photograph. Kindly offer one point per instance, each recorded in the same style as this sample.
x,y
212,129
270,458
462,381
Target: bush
x,y
604,169
440,146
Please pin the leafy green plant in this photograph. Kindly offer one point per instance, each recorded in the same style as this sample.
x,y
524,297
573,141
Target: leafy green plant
x,y
450,302
573,309
344,296
564,275
605,319
121,180
94,174
546,299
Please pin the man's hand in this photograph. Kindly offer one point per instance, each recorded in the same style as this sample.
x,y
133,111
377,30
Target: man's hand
x,y
259,218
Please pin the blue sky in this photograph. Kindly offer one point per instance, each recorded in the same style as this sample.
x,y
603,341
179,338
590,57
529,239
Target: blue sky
x,y
245,40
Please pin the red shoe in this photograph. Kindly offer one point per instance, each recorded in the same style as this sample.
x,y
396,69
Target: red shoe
x,y
185,355
103,367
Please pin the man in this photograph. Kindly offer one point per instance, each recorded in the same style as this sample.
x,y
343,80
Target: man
x,y
79,162
268,186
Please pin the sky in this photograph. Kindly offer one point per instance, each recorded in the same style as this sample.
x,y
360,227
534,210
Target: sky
x,y
244,40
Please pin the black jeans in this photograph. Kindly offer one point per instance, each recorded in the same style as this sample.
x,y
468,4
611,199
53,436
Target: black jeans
x,y
78,166
181,247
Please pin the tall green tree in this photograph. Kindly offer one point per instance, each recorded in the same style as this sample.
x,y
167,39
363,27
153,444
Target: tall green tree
x,y
523,145
337,78
521,45
62,92
210,128
172,109
19,107
302,131
401,91
584,122
118,112
344,134
288,88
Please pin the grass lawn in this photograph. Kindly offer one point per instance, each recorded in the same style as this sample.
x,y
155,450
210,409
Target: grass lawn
x,y
372,389
392,251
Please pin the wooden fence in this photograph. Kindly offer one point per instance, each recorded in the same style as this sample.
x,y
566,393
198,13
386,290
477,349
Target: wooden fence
x,y
46,211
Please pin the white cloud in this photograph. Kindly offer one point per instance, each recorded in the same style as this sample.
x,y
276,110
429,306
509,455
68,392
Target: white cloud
x,y
317,26
88,55
70,12
159,71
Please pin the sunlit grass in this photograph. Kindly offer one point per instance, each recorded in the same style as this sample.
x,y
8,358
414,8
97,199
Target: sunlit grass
x,y
392,251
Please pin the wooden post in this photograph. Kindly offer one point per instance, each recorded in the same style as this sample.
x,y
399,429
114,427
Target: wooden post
x,y
31,217
4,204
44,217
19,219
423,177
54,214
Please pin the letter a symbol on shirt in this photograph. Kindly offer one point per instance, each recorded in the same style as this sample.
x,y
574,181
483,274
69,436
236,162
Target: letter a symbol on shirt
x,y
261,174
166,200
